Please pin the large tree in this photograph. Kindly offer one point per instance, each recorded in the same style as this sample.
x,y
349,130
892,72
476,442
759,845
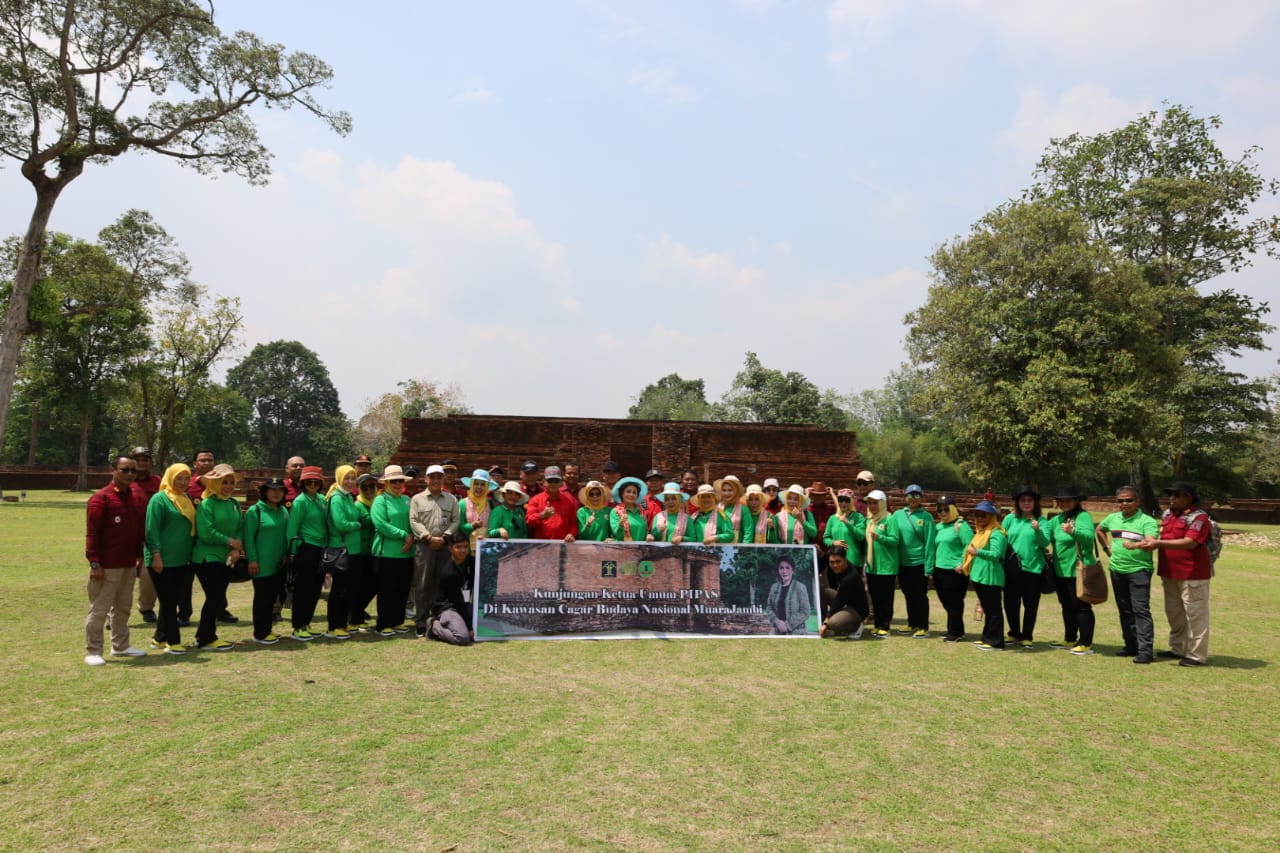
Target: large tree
x,y
672,399
1160,193
377,433
71,72
291,396
764,395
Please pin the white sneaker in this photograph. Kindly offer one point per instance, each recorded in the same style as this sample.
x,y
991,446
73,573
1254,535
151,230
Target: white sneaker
x,y
131,652
94,660
857,635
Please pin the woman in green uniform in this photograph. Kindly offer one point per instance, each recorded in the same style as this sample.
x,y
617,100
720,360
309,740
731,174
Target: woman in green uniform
x,y
169,538
266,540
219,542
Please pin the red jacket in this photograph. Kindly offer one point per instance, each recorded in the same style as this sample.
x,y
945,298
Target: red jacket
x,y
563,523
1191,565
113,530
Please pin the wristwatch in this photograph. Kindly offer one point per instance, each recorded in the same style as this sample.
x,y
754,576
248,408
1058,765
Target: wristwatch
x,y
95,565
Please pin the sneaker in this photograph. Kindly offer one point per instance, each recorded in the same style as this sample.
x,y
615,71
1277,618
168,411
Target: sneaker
x,y
228,617
157,646
303,634
131,652
857,635
216,646
94,660
1169,655
1062,644
269,640
908,631
1012,637
1026,644
952,638
921,634
404,628
987,647
358,626
880,634
1143,659
420,633
175,649
387,632
148,615
1127,653
1081,650
338,634
184,621
1190,662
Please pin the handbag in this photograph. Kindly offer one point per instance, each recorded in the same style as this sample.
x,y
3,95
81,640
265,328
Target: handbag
x,y
334,561
239,570
1091,583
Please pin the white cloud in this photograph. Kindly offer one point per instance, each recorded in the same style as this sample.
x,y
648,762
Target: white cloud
x,y
663,84
321,167
1085,109
474,93
673,263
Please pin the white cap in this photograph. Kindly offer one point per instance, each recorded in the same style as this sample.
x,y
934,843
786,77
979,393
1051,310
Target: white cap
x,y
435,469
876,495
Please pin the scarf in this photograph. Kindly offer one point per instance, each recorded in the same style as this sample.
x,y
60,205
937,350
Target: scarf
x,y
786,529
660,523
625,522
736,518
874,517
763,520
981,536
179,499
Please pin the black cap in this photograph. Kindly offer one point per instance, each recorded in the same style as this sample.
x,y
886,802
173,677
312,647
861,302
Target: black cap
x,y
1183,487
611,467
497,469
1026,490
653,472
1070,493
529,466
271,483
946,501
140,451
366,478
410,471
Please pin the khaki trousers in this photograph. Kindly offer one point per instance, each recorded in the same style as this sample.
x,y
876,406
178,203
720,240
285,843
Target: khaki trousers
x,y
146,593
1186,606
111,597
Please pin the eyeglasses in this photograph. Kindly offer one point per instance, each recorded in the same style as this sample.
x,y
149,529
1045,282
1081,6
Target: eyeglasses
x,y
127,470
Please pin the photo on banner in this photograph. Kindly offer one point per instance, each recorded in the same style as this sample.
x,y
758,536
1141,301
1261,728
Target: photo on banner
x,y
536,589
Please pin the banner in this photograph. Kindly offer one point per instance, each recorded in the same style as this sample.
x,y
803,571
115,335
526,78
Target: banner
x,y
537,589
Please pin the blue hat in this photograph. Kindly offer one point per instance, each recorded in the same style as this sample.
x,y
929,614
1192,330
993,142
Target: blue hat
x,y
914,489
481,475
987,507
617,489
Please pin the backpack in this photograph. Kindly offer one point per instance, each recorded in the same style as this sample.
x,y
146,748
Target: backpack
x,y
1214,545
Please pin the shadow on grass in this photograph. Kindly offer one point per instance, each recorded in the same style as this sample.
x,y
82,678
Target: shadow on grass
x,y
1229,662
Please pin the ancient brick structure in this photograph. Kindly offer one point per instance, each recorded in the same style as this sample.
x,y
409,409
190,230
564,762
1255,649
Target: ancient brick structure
x,y
793,454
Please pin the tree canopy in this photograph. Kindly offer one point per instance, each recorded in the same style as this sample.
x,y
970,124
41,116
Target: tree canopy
x,y
672,399
293,402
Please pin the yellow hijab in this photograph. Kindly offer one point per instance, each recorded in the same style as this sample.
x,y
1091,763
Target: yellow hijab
x,y
951,514
213,488
338,477
981,536
179,498
874,517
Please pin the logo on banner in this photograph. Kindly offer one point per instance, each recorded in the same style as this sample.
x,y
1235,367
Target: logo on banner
x,y
614,568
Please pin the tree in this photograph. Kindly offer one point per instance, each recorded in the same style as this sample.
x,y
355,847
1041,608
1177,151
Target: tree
x,y
1042,346
83,346
762,395
70,72
377,433
290,394
672,399
1162,195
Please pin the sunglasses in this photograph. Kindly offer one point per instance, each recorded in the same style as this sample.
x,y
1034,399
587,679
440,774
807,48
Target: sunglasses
x,y
865,482
127,470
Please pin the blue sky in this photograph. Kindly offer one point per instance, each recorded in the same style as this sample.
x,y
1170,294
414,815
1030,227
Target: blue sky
x,y
554,204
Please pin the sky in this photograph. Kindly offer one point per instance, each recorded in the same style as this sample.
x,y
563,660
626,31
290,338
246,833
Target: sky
x,y
555,204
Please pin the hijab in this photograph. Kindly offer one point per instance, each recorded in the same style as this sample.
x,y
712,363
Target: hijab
x,y
952,514
213,488
981,536
877,511
338,477
179,499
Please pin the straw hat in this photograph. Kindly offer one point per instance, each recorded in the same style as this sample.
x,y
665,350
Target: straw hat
x,y
795,489
733,481
584,495
218,472
392,472
513,487
704,489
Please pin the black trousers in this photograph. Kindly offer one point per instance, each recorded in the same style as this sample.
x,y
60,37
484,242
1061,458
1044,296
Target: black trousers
x,y
363,587
306,584
1077,617
952,588
993,621
915,592
882,589
395,576
186,581
339,593
214,578
167,584
1133,600
1022,602
265,591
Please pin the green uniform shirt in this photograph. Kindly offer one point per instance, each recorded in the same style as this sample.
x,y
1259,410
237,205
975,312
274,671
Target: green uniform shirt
x,y
950,539
168,532
1029,544
915,536
884,557
786,527
697,527
512,520
344,522
852,531
390,515
366,528
988,564
1123,560
593,524
748,532
266,537
217,520
635,521
1067,547
309,519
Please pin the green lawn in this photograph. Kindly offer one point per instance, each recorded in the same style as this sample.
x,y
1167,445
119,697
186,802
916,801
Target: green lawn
x,y
698,744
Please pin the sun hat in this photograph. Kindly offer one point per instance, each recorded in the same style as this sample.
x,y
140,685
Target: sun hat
x,y
796,489
987,507
1070,493
672,490
617,489
223,470
393,472
481,475
738,490
311,472
818,487
754,489
584,495
513,487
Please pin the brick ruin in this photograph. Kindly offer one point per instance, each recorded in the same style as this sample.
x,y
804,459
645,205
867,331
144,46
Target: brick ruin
x,y
793,454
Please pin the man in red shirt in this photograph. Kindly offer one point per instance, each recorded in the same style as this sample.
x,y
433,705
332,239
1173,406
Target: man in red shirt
x,y
201,463
529,478
552,514
653,503
113,547
293,479
571,486
1185,569
147,484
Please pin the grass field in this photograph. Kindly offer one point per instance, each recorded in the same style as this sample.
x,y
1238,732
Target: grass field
x,y
648,745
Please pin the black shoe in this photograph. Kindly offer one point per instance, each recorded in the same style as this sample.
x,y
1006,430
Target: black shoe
x,y
148,615
1168,654
1126,653
227,617
1190,662
184,621
952,638
1142,659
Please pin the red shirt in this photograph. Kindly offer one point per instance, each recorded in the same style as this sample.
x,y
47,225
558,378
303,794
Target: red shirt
x,y
652,507
563,523
149,485
292,488
113,529
1191,565
195,489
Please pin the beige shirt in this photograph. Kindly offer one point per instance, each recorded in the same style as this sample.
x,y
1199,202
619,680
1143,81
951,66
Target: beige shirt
x,y
433,515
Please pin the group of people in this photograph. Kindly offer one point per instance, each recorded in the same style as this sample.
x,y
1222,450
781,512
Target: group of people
x,y
408,542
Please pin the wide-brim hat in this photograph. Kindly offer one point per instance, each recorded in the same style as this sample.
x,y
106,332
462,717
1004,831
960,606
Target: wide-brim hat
x,y
1183,486
986,506
641,484
704,489
311,472
672,490
1026,490
481,475
393,472
754,489
795,489
513,487
584,495
218,472
366,478
1070,493
271,483
738,489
